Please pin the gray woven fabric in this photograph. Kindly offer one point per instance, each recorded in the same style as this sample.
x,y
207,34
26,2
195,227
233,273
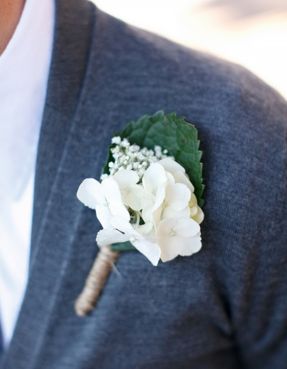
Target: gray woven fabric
x,y
225,307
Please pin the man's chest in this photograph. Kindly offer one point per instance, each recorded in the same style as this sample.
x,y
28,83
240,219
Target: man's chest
x,y
167,316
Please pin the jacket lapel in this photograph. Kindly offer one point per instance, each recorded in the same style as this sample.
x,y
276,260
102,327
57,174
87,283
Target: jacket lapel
x,y
54,224
72,38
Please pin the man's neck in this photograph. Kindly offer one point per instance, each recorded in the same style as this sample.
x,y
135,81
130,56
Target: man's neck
x,y
10,13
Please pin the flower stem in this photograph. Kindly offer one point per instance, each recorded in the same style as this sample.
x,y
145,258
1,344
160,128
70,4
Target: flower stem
x,y
96,281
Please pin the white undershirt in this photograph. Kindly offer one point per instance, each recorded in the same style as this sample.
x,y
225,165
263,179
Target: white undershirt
x,y
24,69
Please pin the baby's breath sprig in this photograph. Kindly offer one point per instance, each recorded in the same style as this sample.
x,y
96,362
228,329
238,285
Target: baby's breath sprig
x,y
132,157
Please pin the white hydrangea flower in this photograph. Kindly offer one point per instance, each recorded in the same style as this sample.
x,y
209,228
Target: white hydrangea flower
x,y
154,208
133,194
105,198
178,236
122,231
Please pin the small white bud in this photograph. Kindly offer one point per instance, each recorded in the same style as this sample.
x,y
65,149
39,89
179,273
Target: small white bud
x,y
116,140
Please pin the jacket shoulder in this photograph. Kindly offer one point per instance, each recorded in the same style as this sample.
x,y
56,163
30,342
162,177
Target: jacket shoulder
x,y
143,57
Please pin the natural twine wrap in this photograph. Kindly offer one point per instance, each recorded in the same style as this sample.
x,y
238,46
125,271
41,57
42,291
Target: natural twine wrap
x,y
96,280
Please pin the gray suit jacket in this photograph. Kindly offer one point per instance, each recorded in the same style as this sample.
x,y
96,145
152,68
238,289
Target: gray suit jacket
x,y
223,308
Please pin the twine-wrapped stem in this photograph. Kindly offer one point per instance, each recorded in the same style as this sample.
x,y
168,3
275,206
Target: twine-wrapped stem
x,y
96,281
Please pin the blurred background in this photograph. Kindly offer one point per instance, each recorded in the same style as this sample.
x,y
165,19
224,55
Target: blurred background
x,y
249,32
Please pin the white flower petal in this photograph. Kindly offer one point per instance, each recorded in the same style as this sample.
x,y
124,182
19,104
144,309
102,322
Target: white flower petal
x,y
114,198
180,246
108,236
178,237
169,212
90,193
122,225
149,249
190,246
177,196
154,178
103,215
133,194
169,249
199,216
126,178
154,182
183,178
177,171
186,227
171,165
135,197
153,211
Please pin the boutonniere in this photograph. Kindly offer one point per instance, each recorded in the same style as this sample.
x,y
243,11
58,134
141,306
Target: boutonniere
x,y
148,199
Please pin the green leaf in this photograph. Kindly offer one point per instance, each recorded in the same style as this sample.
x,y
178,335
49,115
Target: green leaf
x,y
123,246
177,136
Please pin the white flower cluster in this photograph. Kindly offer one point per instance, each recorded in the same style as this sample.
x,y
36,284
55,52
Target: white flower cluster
x,y
132,157
154,208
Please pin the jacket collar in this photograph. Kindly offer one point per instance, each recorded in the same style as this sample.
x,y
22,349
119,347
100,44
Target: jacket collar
x,y
73,31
